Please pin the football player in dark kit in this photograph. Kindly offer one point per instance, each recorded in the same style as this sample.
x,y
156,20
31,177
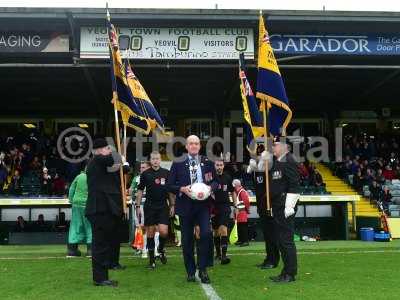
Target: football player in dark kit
x,y
104,210
222,210
265,220
156,210
284,193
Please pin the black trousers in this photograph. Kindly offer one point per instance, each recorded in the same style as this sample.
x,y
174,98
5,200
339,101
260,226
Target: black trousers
x,y
116,243
243,232
285,232
105,239
270,238
199,216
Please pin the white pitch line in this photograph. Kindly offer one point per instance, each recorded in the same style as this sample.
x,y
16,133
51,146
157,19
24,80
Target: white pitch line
x,y
231,254
208,289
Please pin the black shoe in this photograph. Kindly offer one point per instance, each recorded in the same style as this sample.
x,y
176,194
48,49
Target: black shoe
x,y
151,266
262,264
163,258
238,243
225,260
265,263
204,277
191,278
110,283
74,253
244,244
118,267
283,278
267,266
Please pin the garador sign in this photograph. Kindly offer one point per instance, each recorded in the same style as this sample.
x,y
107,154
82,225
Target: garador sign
x,y
336,44
33,42
170,43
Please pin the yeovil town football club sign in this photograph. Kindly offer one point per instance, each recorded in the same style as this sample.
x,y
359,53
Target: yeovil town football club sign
x,y
170,43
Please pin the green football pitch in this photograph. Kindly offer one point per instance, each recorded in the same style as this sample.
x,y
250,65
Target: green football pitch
x,y
327,270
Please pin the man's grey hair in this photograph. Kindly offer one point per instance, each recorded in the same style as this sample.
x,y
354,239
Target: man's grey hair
x,y
236,182
192,137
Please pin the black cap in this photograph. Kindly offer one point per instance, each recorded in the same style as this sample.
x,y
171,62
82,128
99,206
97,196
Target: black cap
x,y
280,139
99,143
291,140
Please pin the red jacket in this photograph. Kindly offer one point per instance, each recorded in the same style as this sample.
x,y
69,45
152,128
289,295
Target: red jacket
x,y
244,197
389,174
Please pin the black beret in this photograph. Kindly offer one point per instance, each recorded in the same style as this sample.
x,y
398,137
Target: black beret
x,y
99,143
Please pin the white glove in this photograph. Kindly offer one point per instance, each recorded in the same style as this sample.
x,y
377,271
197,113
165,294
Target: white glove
x,y
252,166
290,203
265,156
227,157
123,159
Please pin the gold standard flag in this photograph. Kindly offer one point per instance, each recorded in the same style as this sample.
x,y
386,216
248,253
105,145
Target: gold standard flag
x,y
270,87
254,126
131,112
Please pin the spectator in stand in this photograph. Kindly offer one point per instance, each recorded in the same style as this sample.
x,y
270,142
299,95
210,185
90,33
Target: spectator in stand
x,y
3,175
25,156
15,185
317,179
369,176
388,173
347,152
304,174
355,166
45,182
44,161
375,191
397,172
40,225
386,199
35,165
20,225
380,179
59,186
358,181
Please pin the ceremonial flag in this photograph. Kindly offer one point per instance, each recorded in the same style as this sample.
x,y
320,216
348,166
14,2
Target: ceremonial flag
x,y
254,127
131,111
270,87
142,99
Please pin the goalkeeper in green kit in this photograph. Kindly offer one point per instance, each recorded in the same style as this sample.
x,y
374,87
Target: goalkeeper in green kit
x,y
80,230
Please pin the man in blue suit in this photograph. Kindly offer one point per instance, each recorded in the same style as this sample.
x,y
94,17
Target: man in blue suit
x,y
192,169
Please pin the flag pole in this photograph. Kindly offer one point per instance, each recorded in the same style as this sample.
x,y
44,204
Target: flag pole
x,y
266,133
268,202
117,136
125,140
126,157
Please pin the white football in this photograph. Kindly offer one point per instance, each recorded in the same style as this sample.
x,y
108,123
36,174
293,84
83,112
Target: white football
x,y
200,191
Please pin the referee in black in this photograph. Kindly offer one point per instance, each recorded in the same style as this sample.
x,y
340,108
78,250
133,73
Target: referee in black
x,y
156,209
284,194
104,210
222,211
